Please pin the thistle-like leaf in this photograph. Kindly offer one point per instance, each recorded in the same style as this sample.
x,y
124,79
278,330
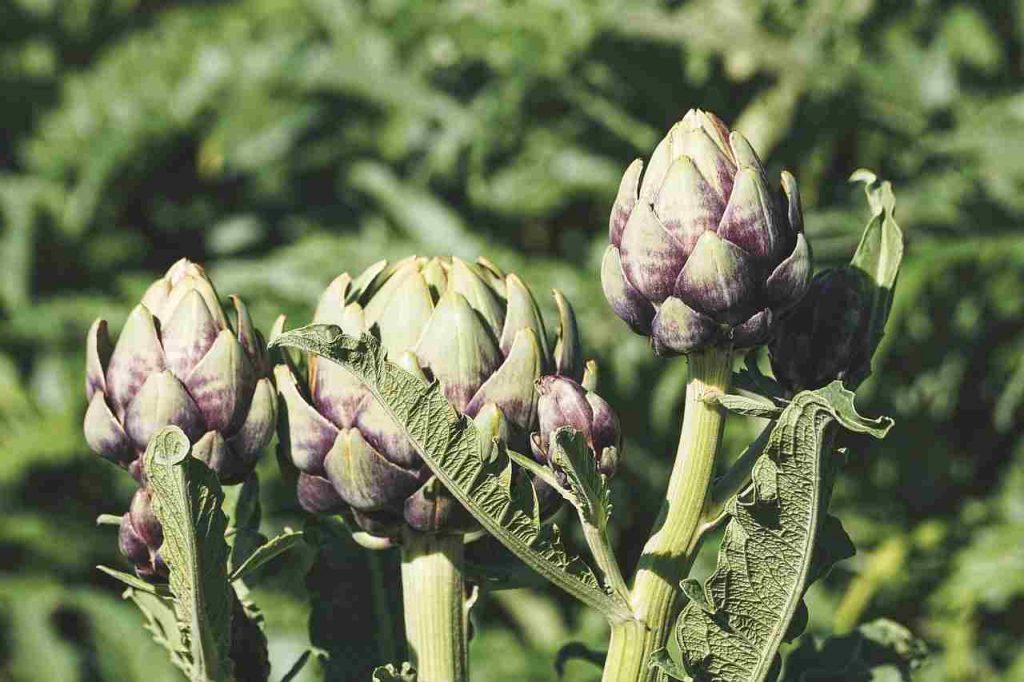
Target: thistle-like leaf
x,y
448,442
187,500
778,540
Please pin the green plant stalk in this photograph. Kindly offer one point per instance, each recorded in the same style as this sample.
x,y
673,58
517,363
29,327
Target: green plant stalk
x,y
670,550
433,596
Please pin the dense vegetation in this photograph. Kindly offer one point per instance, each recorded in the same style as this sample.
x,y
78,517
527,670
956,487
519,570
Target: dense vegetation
x,y
283,142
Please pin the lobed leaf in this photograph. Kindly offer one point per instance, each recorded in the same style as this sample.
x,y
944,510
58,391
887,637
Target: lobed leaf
x,y
778,540
187,502
448,442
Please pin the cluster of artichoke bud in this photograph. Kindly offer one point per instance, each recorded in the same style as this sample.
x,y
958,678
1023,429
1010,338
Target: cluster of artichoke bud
x,y
472,328
178,361
704,254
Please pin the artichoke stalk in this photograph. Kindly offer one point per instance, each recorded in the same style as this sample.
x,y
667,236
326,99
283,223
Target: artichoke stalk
x,y
471,327
703,253
704,259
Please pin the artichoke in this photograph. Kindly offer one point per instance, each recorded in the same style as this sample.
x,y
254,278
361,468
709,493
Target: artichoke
x,y
178,361
703,254
827,336
565,402
475,330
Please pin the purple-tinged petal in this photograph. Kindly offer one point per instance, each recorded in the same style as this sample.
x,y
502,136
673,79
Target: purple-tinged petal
x,y
337,393
464,280
258,427
678,328
511,388
651,257
104,434
522,312
252,341
568,351
185,277
144,521
188,335
687,205
130,544
625,200
625,300
222,383
97,355
744,153
213,451
753,332
794,209
751,220
385,436
789,282
309,435
605,428
716,129
719,280
563,402
711,161
162,401
137,355
432,509
330,308
317,495
459,348
364,478
661,158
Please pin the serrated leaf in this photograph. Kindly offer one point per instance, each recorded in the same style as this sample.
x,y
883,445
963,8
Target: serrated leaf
x,y
777,541
389,673
187,501
272,548
448,443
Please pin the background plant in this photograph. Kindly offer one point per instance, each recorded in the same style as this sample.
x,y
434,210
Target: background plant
x,y
283,142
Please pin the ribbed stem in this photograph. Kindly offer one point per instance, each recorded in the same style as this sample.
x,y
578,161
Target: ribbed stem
x,y
432,592
669,552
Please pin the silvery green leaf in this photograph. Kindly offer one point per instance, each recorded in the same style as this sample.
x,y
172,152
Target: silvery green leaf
x,y
187,500
136,583
272,548
389,673
448,443
732,629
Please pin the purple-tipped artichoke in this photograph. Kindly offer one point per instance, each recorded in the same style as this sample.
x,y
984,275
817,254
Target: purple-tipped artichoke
x,y
703,252
178,361
565,402
828,335
141,536
475,330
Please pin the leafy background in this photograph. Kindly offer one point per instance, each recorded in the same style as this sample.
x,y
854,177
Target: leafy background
x,y
284,141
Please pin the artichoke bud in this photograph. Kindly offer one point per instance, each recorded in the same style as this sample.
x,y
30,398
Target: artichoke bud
x,y
703,252
564,402
827,336
140,537
470,327
179,361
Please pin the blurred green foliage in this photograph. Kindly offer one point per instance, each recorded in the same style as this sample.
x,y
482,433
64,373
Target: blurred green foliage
x,y
284,141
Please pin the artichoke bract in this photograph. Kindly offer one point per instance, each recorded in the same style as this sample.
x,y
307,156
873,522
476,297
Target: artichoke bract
x,y
704,254
827,335
178,361
140,537
565,402
475,330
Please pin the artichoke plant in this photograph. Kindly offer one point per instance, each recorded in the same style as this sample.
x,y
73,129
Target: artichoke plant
x,y
472,328
178,361
703,252
827,335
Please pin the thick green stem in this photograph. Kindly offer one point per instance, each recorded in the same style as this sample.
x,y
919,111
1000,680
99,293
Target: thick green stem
x,y
433,596
669,552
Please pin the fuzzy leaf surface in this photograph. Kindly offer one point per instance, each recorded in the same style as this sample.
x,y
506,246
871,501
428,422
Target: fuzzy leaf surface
x,y
778,540
187,502
448,442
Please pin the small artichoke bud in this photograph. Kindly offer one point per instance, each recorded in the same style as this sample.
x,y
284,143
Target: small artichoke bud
x,y
178,361
827,336
140,537
564,402
472,328
703,252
